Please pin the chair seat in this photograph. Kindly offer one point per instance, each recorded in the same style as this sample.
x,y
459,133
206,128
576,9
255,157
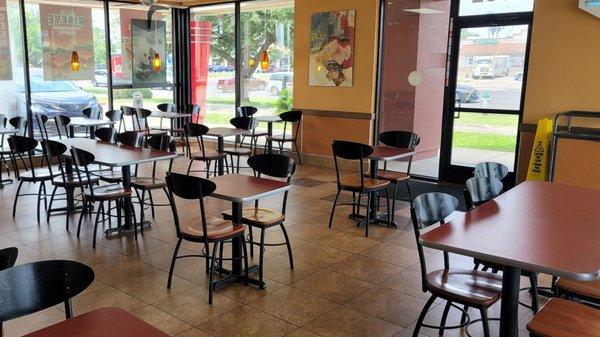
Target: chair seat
x,y
562,318
391,176
40,174
108,175
353,183
152,133
71,180
108,192
208,155
218,229
477,288
281,138
148,183
259,217
237,151
587,289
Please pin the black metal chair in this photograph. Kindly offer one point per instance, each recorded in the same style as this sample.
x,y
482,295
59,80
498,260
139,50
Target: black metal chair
x,y
8,257
25,147
142,125
62,126
404,140
19,124
179,129
292,118
115,116
105,134
205,155
41,121
275,166
245,123
92,194
250,111
491,169
481,190
214,231
152,183
36,286
470,288
54,153
357,183
92,112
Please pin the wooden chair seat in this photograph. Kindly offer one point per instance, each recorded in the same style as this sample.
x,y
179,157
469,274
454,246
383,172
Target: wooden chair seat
x,y
40,174
151,133
218,229
353,183
473,287
108,192
209,155
281,138
259,217
238,151
562,318
148,183
71,180
108,175
391,176
589,290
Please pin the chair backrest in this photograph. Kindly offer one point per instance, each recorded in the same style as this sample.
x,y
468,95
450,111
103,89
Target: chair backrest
x,y
93,112
491,169
430,209
105,134
129,138
20,146
131,113
483,189
246,111
62,125
82,160
33,287
162,142
192,109
273,165
19,123
291,117
400,139
114,115
142,118
350,151
167,107
197,131
190,188
245,123
53,154
8,257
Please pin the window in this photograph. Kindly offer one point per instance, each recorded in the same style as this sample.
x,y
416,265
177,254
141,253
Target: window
x,y
479,7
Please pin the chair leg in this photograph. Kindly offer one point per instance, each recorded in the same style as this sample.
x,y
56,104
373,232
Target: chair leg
x,y
251,235
98,212
142,204
423,314
367,216
212,273
151,204
298,153
387,201
135,231
535,304
289,246
395,195
50,206
337,195
208,169
39,202
463,317
190,166
173,260
444,317
410,198
45,195
261,257
221,256
245,251
238,164
485,323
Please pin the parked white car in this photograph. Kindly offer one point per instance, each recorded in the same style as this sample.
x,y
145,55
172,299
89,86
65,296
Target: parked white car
x,y
277,80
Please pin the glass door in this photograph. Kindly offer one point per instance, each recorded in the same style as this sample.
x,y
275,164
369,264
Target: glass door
x,y
484,96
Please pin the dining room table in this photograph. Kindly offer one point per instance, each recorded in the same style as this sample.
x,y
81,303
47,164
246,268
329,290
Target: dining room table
x,y
103,322
239,189
173,117
88,123
269,120
545,227
221,133
113,156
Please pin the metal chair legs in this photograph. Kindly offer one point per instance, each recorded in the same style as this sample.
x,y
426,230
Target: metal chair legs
x,y
423,314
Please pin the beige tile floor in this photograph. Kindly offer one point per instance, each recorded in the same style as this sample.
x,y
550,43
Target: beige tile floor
x,y
343,284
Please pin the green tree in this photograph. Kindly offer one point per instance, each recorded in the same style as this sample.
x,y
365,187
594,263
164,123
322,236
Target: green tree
x,y
284,103
99,46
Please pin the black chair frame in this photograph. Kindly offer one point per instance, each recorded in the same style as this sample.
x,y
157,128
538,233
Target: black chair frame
x,y
197,131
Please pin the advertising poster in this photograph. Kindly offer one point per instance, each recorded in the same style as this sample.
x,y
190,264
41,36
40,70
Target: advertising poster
x,y
146,41
126,16
65,29
5,64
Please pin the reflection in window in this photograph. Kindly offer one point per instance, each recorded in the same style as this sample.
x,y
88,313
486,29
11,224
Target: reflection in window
x,y
480,7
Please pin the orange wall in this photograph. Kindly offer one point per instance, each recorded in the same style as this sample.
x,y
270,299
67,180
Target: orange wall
x,y
359,97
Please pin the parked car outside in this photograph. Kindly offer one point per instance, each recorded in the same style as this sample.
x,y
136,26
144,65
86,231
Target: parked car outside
x,y
519,76
100,78
278,81
250,84
466,94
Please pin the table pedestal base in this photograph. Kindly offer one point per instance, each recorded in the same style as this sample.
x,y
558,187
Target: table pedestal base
x,y
126,230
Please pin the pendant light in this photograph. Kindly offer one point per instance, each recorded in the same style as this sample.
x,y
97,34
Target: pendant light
x,y
156,63
74,56
264,56
251,62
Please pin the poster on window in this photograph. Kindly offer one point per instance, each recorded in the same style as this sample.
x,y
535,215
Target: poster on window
x,y
148,40
5,64
126,16
64,30
332,49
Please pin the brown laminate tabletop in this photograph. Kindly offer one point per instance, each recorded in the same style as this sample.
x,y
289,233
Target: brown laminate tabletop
x,y
242,188
87,122
546,227
105,322
112,155
390,153
163,114
227,132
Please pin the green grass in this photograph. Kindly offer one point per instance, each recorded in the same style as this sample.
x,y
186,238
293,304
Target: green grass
x,y
484,141
470,118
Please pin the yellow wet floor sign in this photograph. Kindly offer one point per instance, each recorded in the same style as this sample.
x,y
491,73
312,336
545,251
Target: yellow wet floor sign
x,y
538,164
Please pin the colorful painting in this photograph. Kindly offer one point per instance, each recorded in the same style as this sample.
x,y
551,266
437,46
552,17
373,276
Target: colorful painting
x,y
65,29
5,64
146,41
332,49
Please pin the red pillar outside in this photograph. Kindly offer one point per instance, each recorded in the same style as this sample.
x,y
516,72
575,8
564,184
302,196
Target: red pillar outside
x,y
200,39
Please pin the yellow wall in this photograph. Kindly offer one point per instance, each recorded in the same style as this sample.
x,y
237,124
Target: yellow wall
x,y
564,66
359,97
